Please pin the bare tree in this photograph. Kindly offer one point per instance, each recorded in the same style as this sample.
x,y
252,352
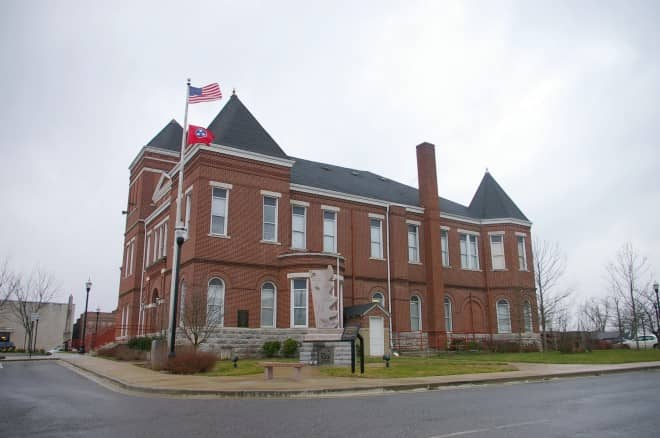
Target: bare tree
x,y
8,283
549,266
201,316
29,296
595,314
626,277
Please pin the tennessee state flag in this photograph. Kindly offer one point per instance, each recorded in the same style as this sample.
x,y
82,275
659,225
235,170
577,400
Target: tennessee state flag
x,y
197,134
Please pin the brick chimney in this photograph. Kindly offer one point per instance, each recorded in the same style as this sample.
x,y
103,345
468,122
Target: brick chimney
x,y
430,242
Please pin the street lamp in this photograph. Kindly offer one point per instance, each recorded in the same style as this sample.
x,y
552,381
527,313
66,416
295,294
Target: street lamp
x,y
657,306
180,234
88,286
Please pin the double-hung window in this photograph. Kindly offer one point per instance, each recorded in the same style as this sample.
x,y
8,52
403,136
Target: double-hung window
x,y
413,243
376,226
497,251
329,231
268,305
503,317
299,302
522,253
527,317
298,227
444,246
270,219
219,211
448,316
215,302
469,251
415,313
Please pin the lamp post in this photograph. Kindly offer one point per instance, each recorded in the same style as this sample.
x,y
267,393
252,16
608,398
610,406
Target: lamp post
x,y
657,306
88,286
180,235
96,329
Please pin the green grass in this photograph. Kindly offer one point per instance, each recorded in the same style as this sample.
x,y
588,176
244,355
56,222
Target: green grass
x,y
594,357
420,367
245,367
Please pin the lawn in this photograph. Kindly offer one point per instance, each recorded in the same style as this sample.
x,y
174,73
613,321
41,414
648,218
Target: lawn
x,y
594,357
245,367
420,367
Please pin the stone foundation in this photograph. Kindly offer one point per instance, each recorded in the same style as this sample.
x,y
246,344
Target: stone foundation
x,y
243,342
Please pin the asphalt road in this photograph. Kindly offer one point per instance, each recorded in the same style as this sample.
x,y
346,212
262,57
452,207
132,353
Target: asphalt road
x,y
45,399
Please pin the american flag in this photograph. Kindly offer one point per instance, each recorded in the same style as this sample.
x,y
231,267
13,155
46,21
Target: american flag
x,y
205,94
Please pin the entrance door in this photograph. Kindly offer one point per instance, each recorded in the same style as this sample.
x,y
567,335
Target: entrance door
x,y
376,336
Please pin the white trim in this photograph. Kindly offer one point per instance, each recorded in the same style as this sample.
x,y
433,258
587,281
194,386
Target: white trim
x,y
293,275
518,233
261,306
315,254
417,225
335,234
222,236
153,150
492,253
271,194
376,216
271,242
412,222
263,217
380,238
304,231
474,233
418,210
292,314
144,169
419,308
497,221
330,208
221,185
161,222
496,233
445,228
188,190
228,150
299,203
157,211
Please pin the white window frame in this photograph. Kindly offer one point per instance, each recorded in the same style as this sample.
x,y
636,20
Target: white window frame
x,y
334,212
274,309
304,226
528,319
380,300
449,317
379,253
263,217
497,259
469,256
419,314
227,188
416,259
148,252
522,251
223,293
293,291
188,198
503,321
444,246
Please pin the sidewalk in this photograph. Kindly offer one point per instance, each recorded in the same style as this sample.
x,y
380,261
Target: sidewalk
x,y
313,384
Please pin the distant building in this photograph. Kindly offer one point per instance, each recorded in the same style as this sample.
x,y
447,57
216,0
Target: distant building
x,y
53,328
259,221
97,323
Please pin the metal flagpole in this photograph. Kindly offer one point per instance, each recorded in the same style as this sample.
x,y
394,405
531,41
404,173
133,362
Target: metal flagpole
x,y
179,233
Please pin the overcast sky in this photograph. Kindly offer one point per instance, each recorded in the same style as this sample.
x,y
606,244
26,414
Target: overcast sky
x,y
559,100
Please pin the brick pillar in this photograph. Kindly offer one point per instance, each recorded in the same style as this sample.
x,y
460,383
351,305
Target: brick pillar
x,y
430,241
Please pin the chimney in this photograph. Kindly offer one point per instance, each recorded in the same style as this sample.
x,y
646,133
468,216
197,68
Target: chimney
x,y
427,177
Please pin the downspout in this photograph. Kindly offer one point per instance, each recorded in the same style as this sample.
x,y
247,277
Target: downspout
x,y
144,261
389,280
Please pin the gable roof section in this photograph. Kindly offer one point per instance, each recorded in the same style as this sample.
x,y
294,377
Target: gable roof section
x,y
235,126
169,138
364,184
491,202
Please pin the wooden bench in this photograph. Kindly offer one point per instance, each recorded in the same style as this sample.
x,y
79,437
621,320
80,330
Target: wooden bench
x,y
268,368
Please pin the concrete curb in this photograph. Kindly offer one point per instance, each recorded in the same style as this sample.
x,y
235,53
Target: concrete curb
x,y
347,391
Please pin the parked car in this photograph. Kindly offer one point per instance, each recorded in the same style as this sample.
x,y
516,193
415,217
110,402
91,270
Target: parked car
x,y
58,349
645,341
6,344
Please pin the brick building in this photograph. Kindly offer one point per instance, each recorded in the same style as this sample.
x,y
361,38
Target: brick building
x,y
259,220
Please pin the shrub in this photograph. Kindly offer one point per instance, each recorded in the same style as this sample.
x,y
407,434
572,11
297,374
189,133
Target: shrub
x,y
507,347
191,362
290,348
121,352
271,348
141,343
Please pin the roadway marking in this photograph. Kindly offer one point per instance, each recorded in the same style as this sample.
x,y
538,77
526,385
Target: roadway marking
x,y
0,366
503,426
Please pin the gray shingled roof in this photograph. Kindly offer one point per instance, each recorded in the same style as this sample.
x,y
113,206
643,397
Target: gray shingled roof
x,y
169,138
491,202
235,126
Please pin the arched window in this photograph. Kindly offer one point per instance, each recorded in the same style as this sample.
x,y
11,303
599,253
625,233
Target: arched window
x,y
503,317
415,313
379,298
182,302
449,323
268,305
215,302
527,317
